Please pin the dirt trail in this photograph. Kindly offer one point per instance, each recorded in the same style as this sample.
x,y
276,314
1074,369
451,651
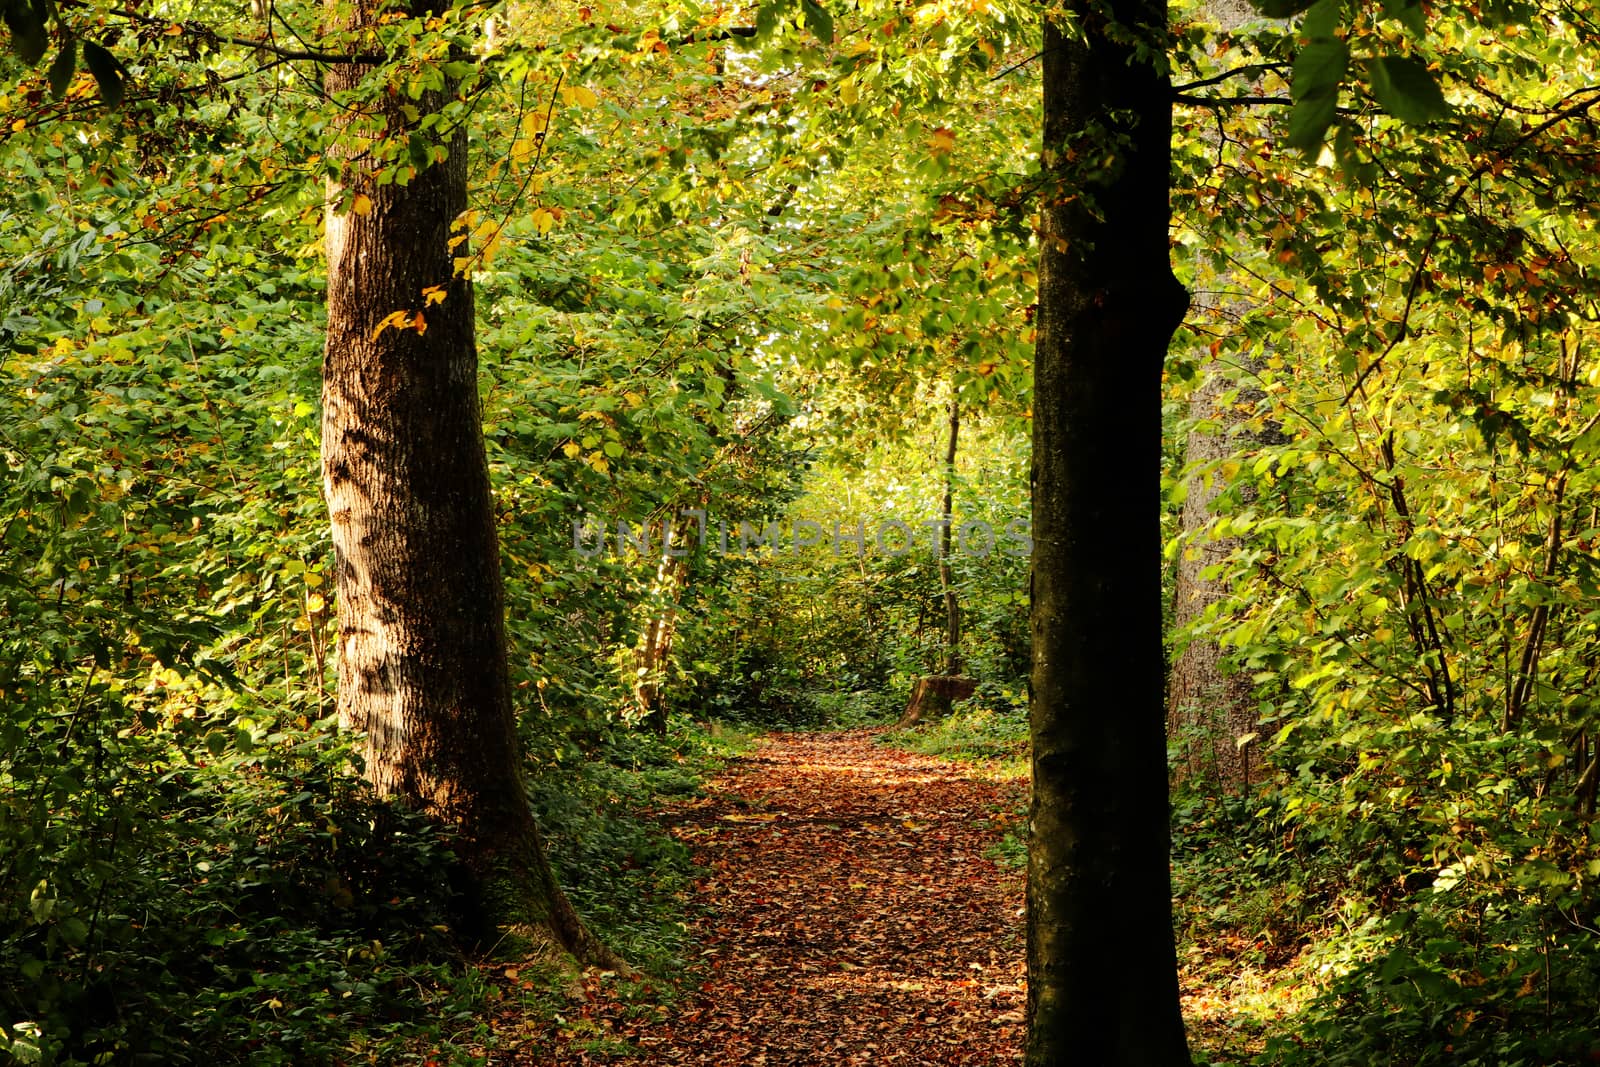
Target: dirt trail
x,y
852,917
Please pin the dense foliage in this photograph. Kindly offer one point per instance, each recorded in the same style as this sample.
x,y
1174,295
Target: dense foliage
x,y
744,271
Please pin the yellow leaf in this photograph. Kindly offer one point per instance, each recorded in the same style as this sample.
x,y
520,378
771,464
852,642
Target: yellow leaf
x,y
942,141
572,449
313,579
488,232
362,204
399,319
848,92
173,30
584,97
315,603
419,324
433,294
543,220
986,368
19,125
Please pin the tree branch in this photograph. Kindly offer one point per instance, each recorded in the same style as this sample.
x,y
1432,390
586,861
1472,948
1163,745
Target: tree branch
x,y
1230,101
1017,66
1403,326
1237,72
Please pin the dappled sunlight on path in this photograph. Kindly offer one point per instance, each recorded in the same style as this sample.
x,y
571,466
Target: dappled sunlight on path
x,y
851,916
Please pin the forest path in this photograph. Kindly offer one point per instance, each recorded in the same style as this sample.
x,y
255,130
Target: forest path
x,y
849,915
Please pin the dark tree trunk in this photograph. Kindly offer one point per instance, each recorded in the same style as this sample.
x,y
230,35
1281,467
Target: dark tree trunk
x,y
422,651
1102,976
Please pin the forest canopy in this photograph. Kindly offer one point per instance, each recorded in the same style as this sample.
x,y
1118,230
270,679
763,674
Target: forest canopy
x,y
469,470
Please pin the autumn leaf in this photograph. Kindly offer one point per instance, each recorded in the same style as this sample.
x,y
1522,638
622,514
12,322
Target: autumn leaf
x,y
396,319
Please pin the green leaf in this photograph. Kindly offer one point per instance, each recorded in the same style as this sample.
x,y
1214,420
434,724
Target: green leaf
x,y
818,21
75,930
1409,14
1319,68
28,36
1322,21
1281,9
1405,89
63,67
109,74
1347,155
417,149
768,16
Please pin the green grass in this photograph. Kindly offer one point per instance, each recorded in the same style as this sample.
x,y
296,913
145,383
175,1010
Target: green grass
x,y
996,739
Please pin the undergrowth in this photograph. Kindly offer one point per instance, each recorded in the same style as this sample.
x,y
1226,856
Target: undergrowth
x,y
990,729
626,875
261,907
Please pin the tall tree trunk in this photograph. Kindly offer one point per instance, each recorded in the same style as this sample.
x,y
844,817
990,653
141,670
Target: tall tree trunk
x,y
1209,711
952,607
1102,975
422,649
653,650
932,695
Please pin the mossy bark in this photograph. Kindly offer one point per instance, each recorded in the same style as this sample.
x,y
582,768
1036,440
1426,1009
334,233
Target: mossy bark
x,y
1102,977
421,646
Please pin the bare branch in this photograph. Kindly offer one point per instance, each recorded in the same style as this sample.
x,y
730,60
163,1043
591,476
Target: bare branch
x,y
1238,72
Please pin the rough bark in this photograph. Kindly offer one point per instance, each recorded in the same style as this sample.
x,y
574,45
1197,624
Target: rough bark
x,y
1209,710
421,648
1102,975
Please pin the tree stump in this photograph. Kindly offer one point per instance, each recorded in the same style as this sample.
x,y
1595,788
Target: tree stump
x,y
932,696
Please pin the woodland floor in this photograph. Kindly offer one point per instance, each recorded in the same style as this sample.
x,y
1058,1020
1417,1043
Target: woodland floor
x,y
849,915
